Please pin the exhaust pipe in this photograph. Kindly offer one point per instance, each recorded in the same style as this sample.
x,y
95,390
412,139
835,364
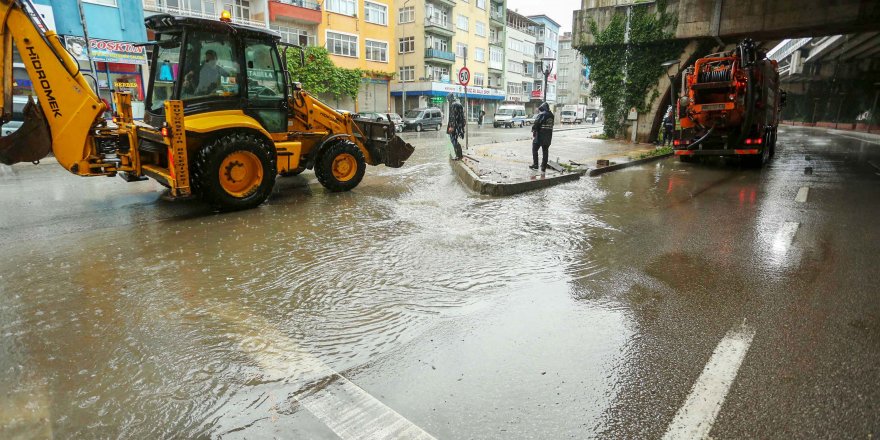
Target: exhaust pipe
x,y
31,142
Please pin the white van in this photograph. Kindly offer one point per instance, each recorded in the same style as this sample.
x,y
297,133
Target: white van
x,y
509,115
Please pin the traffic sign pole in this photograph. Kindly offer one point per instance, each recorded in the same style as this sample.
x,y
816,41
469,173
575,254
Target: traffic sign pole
x,y
464,77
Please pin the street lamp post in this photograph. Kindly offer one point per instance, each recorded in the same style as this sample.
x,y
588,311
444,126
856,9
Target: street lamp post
x,y
402,65
548,67
673,98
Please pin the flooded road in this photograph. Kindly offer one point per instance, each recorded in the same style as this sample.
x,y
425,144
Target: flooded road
x,y
412,308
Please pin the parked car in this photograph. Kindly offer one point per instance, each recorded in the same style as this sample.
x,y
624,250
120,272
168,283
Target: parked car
x,y
423,118
529,120
397,120
506,113
370,116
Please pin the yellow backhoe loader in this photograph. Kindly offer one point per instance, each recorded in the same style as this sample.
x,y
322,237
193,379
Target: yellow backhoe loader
x,y
222,116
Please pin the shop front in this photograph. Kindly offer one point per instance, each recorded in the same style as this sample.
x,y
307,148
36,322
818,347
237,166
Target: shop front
x,y
433,94
118,66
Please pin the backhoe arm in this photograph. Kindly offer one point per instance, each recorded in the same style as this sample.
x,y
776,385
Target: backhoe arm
x,y
68,108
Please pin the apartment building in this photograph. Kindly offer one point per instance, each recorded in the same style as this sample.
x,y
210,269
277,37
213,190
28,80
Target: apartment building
x,y
546,52
573,85
434,37
296,20
247,12
359,34
519,58
115,29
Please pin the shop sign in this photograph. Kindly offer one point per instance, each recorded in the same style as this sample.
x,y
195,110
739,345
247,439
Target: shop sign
x,y
458,89
125,85
106,51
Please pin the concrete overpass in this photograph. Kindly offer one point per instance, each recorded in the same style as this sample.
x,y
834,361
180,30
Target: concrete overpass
x,y
814,40
731,20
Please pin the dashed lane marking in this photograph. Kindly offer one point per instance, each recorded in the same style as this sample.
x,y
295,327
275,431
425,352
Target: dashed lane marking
x,y
348,410
695,418
802,194
783,239
858,139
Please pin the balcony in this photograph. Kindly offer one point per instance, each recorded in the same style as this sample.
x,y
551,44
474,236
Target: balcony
x,y
162,7
497,16
496,42
450,3
298,11
439,27
439,56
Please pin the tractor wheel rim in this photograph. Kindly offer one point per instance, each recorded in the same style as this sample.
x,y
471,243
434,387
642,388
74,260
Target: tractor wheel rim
x,y
344,167
241,173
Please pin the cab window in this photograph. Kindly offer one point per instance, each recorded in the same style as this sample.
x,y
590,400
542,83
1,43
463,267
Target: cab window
x,y
211,67
263,71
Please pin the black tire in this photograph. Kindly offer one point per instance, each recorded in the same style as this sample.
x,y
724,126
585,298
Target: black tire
x,y
206,171
294,172
419,127
324,166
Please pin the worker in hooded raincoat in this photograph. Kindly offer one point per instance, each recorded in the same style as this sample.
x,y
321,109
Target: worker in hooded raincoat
x,y
542,135
455,129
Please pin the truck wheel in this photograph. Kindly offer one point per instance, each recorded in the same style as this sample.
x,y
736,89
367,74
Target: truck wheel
x,y
294,172
235,171
341,167
419,127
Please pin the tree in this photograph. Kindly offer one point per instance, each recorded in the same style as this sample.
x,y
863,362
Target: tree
x,y
319,75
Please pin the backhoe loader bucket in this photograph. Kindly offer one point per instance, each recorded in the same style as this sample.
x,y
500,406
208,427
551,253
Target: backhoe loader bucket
x,y
31,142
397,152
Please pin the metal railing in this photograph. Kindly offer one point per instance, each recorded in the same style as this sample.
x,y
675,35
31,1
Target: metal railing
x,y
442,54
497,15
430,21
301,3
160,6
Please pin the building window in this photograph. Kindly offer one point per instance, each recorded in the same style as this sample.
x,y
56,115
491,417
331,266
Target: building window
x,y
342,44
479,79
406,45
407,15
481,4
344,7
435,43
294,35
480,29
463,22
376,13
480,54
434,73
460,50
496,58
514,66
377,51
102,2
514,88
407,73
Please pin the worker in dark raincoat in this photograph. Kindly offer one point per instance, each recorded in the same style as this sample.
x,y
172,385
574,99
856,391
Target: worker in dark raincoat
x,y
542,135
455,128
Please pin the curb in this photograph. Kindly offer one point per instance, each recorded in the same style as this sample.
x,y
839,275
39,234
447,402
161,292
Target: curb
x,y
472,181
619,166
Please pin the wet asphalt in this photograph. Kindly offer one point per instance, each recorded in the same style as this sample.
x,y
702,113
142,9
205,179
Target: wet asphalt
x,y
587,310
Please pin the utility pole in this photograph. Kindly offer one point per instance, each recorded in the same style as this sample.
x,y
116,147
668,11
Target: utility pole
x,y
548,68
467,143
92,65
403,64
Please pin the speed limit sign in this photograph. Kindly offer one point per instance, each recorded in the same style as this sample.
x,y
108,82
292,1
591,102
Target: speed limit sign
x,y
464,76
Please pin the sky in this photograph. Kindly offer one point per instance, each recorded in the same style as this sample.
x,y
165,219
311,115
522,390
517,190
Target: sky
x,y
559,10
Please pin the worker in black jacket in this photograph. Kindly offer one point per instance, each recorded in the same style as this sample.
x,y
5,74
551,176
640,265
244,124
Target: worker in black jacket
x,y
542,135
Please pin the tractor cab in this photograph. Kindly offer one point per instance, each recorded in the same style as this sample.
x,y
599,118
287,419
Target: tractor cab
x,y
216,66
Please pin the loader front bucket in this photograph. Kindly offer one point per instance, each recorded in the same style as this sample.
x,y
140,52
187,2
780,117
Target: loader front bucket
x,y
397,152
31,142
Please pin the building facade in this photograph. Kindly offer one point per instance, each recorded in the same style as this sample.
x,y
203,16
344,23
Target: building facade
x,y
434,40
546,52
573,85
519,58
359,34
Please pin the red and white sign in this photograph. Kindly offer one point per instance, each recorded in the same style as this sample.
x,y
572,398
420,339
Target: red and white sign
x,y
464,76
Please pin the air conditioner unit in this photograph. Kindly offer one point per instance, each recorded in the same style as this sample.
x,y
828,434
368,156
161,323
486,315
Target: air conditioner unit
x,y
796,64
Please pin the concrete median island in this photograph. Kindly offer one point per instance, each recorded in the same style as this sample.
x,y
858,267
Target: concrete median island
x,y
501,169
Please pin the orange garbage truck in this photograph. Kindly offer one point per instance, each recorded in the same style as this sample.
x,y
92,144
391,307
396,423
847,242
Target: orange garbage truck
x,y
730,106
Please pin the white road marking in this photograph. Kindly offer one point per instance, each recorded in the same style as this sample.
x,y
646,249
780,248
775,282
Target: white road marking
x,y
802,194
348,410
782,240
695,418
858,138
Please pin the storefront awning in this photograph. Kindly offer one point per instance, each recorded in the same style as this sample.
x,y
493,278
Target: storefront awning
x,y
444,89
